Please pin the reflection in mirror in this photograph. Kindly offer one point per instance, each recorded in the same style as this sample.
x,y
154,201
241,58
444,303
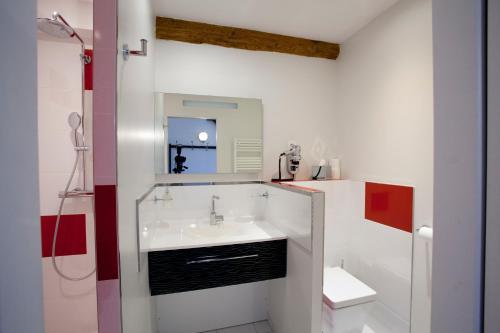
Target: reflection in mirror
x,y
206,134
186,155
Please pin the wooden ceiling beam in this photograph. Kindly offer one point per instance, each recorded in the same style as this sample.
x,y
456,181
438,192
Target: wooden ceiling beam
x,y
203,33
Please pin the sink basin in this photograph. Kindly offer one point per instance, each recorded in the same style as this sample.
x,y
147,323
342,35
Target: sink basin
x,y
213,231
190,233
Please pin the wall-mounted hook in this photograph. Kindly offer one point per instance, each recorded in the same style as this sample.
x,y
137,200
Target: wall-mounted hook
x,y
143,52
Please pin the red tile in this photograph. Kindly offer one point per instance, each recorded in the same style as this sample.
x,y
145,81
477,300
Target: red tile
x,y
88,70
391,205
71,237
106,235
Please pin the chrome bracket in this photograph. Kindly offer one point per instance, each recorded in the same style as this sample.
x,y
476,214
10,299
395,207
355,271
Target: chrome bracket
x,y
86,59
143,52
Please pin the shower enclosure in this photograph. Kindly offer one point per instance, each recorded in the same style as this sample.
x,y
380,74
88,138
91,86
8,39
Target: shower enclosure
x,y
65,59
58,27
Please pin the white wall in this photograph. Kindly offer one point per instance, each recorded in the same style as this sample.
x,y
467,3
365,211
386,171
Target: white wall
x,y
135,127
296,93
385,107
78,13
20,278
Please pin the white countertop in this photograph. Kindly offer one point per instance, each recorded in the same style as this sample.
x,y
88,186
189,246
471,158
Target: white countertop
x,y
193,233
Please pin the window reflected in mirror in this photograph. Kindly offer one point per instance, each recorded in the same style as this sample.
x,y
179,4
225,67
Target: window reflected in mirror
x,y
192,145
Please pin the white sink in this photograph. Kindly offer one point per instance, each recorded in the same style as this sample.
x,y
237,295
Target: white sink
x,y
191,233
214,231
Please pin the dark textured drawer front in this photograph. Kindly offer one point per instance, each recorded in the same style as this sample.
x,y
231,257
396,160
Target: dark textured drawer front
x,y
209,267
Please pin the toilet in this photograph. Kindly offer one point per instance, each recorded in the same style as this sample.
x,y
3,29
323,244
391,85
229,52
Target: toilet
x,y
346,302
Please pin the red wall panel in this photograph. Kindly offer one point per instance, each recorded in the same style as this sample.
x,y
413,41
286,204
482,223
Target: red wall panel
x,y
391,205
88,71
71,237
106,232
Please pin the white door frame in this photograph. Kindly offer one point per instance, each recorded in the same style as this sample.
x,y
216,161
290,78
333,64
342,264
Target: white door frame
x,y
459,170
21,306
492,260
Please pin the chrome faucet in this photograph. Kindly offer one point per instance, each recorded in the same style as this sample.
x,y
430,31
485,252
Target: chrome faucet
x,y
214,218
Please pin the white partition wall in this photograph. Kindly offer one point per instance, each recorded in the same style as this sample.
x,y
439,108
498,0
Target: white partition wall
x,y
135,156
295,301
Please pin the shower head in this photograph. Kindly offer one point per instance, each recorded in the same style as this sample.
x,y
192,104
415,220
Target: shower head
x,y
58,27
54,27
74,120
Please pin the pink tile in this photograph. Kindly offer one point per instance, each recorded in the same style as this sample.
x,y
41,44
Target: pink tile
x,y
105,32
106,63
58,289
75,315
108,306
105,27
104,149
104,99
104,135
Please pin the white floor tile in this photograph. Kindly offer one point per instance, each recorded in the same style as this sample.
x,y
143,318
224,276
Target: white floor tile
x,y
263,327
238,329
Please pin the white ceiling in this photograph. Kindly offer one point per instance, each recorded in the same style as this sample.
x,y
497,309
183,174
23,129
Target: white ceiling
x,y
326,20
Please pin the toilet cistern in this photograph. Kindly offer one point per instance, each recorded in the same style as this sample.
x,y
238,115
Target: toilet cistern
x,y
214,218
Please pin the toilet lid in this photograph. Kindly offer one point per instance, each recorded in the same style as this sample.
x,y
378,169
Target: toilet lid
x,y
341,289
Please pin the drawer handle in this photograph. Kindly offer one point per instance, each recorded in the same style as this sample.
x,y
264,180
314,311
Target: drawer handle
x,y
202,261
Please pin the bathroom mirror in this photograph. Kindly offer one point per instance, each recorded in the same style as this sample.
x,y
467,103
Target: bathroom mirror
x,y
197,134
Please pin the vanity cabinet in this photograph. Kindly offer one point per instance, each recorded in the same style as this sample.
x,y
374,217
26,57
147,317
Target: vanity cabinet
x,y
173,271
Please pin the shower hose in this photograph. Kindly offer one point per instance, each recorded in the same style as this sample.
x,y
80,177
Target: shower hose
x,y
58,221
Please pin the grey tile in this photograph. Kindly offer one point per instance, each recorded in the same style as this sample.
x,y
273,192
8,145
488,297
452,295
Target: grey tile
x,y
263,327
238,329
